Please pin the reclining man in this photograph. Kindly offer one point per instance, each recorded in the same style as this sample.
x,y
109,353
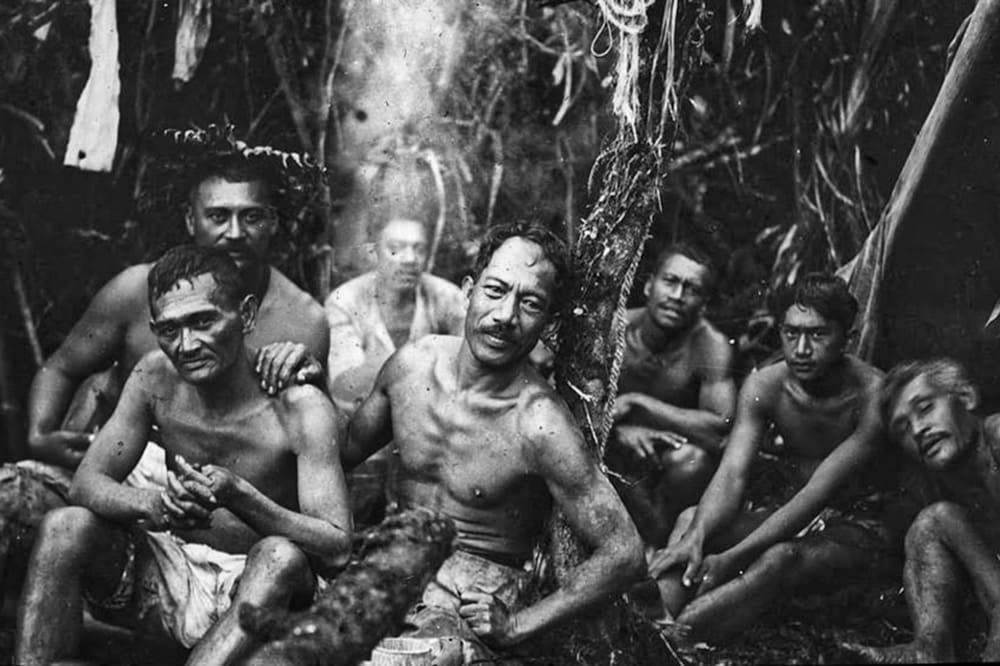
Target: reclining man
x,y
928,407
255,492
231,206
484,440
676,394
724,564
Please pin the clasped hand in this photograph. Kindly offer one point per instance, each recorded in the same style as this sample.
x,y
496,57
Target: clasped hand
x,y
488,617
193,492
703,573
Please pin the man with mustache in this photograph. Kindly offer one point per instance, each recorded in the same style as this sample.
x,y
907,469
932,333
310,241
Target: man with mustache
x,y
375,313
676,394
254,496
483,439
725,562
929,409
371,316
231,205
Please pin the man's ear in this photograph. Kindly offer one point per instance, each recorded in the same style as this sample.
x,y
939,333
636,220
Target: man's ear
x,y
550,331
968,396
248,312
189,220
646,288
369,256
467,284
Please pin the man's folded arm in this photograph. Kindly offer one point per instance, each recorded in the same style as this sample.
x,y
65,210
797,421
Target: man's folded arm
x,y
116,449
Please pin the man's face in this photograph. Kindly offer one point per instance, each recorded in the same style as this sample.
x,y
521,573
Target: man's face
x,y
510,304
934,427
401,250
236,217
811,344
200,334
676,293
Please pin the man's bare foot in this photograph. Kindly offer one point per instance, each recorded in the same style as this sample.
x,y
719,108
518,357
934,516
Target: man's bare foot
x,y
907,653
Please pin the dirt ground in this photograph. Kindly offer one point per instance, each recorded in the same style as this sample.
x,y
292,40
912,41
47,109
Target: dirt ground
x,y
805,631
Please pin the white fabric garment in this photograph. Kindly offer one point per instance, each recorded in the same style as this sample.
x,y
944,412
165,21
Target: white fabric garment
x,y
194,25
197,585
94,135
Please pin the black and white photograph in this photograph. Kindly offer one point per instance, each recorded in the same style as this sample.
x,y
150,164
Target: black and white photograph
x,y
459,332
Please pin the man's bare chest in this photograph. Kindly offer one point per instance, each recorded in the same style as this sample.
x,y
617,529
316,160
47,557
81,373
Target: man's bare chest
x,y
814,430
670,377
475,454
252,444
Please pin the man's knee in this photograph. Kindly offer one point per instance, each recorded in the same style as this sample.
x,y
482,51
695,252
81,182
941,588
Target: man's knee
x,y
66,530
785,557
281,559
688,463
932,523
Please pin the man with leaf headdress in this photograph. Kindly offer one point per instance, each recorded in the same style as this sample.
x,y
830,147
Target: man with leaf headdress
x,y
232,201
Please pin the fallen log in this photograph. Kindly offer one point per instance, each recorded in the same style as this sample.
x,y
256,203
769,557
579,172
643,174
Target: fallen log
x,y
391,565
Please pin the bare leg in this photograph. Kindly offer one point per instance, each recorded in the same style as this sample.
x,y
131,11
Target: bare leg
x,y
939,544
726,610
276,572
673,593
73,544
686,473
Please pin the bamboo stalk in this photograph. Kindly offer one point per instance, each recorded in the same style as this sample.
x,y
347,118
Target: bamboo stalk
x,y
27,318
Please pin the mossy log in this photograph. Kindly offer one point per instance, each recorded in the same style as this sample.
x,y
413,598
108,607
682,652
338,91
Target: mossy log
x,y
392,564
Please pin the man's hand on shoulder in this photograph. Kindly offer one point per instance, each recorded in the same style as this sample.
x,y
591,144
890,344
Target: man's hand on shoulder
x,y
282,364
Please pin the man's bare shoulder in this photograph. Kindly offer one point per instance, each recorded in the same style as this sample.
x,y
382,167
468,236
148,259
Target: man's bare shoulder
x,y
291,297
439,286
416,356
304,404
867,376
766,381
348,295
544,420
709,343
154,373
125,296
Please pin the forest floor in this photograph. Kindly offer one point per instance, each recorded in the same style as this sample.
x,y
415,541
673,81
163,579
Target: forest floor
x,y
807,631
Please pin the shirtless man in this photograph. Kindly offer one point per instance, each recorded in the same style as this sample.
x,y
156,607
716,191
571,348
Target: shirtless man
x,y
230,206
928,406
725,564
676,394
377,312
484,440
255,492
369,318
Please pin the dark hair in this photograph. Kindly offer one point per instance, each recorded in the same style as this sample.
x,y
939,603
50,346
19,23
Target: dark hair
x,y
944,374
553,249
235,168
695,254
186,262
823,292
